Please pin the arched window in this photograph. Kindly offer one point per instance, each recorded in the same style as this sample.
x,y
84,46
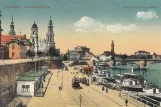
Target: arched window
x,y
33,33
13,46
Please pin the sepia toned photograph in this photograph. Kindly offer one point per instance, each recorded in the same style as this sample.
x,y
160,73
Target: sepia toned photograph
x,y
80,53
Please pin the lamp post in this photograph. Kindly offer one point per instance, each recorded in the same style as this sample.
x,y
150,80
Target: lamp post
x,y
35,65
80,98
120,85
39,63
62,81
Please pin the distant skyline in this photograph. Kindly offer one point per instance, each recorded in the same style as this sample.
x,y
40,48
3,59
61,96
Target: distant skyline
x,y
132,24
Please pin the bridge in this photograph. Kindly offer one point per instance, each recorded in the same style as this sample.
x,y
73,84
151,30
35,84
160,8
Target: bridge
x,y
142,63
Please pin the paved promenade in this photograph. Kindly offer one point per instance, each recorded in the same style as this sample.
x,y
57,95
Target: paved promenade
x,y
14,61
92,96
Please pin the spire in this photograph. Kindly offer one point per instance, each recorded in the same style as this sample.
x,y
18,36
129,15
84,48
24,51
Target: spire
x,y
12,17
12,31
0,13
50,34
34,22
112,47
0,27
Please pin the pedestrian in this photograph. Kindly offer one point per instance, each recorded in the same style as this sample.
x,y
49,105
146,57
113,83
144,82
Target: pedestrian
x,y
106,90
102,88
126,101
59,88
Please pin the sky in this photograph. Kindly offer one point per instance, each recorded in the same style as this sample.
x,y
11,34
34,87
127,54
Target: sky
x,y
132,24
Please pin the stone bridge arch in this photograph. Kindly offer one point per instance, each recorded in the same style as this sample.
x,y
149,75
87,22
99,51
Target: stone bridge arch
x,y
142,64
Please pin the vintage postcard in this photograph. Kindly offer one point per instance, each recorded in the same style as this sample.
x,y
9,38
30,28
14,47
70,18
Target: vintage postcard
x,y
80,53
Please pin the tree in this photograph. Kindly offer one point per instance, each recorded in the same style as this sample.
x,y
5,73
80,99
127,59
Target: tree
x,y
124,56
113,58
53,52
39,53
30,53
65,57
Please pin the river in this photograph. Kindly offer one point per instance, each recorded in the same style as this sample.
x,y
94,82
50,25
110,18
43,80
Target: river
x,y
152,73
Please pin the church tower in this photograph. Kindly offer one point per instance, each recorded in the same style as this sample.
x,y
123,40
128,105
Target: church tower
x,y
0,28
112,47
12,31
50,34
34,38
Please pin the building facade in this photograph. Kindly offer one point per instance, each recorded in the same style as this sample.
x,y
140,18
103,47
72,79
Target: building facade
x,y
34,38
75,55
50,34
4,52
43,45
29,83
79,53
18,48
112,48
141,55
156,56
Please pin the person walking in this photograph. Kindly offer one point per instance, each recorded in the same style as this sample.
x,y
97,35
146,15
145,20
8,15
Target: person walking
x,y
103,88
59,88
106,90
126,102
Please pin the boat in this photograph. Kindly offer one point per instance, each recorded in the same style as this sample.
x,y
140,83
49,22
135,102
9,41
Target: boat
x,y
131,82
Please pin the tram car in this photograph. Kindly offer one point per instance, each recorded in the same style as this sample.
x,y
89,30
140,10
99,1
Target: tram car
x,y
76,83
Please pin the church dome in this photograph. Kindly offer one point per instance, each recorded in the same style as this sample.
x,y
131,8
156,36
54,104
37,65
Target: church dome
x,y
34,25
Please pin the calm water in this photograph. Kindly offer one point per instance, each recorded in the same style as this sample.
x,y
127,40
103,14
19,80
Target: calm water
x,y
152,73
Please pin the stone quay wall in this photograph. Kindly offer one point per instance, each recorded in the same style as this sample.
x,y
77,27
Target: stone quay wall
x,y
9,74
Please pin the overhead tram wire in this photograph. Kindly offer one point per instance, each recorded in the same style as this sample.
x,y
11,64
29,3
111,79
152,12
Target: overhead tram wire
x,y
83,94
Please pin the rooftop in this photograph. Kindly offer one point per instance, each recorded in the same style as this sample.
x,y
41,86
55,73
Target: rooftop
x,y
22,42
34,25
8,38
33,74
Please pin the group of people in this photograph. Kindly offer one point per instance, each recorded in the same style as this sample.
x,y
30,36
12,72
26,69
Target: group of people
x,y
60,88
103,88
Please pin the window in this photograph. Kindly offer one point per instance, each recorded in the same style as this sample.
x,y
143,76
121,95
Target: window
x,y
27,88
13,54
23,88
33,33
13,46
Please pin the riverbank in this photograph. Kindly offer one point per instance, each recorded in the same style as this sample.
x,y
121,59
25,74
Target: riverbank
x,y
92,96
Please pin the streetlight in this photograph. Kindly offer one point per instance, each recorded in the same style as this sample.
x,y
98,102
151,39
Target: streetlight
x,y
39,64
80,98
35,65
61,81
120,85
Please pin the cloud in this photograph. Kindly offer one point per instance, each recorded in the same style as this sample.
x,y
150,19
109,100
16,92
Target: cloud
x,y
146,15
117,28
88,24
